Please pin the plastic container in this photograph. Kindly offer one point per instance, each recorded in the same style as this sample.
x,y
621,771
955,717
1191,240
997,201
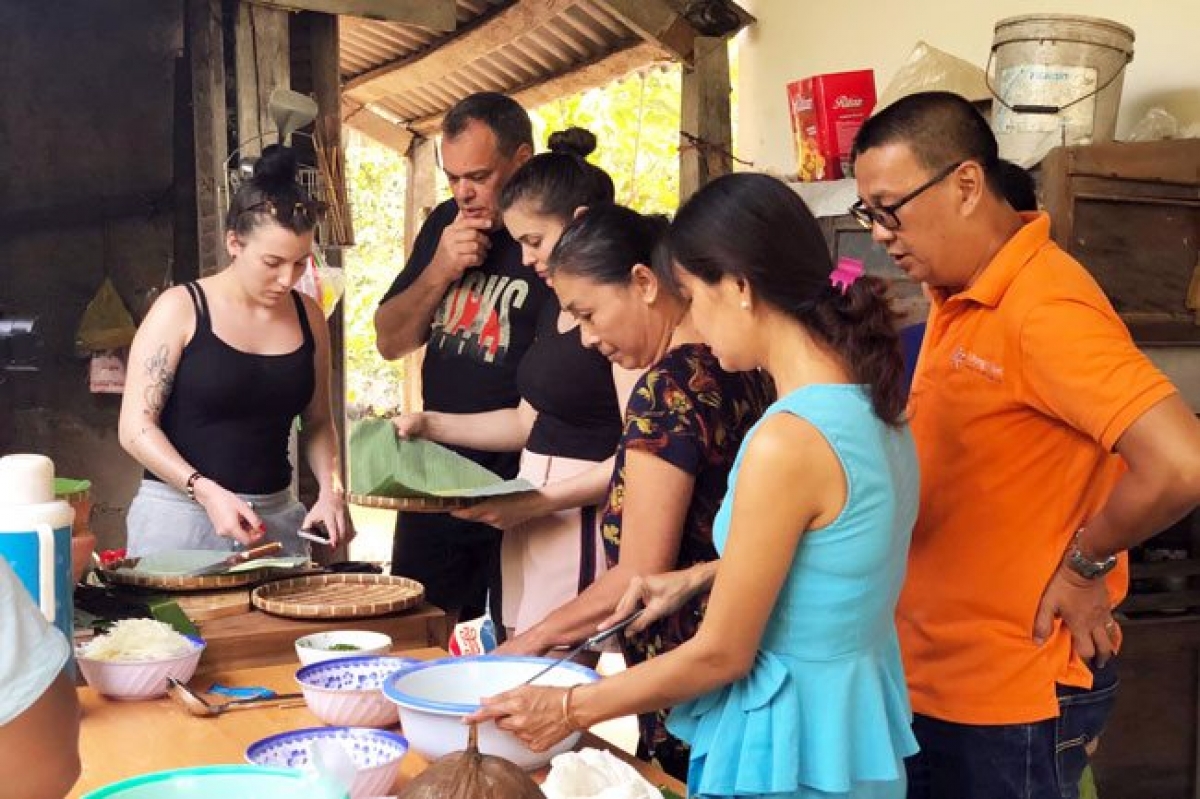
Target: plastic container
x,y
78,494
35,536
1057,81
209,782
434,696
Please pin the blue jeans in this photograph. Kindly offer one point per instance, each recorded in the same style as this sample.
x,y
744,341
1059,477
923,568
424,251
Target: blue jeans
x,y
1042,760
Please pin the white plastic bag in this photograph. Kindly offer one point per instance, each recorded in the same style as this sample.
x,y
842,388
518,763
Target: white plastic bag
x,y
595,774
1157,124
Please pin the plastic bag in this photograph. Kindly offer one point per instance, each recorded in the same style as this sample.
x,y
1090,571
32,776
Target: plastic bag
x,y
930,69
106,322
595,774
473,637
323,283
1157,124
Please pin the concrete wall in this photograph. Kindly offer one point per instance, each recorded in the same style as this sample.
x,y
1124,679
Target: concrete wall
x,y
796,38
85,189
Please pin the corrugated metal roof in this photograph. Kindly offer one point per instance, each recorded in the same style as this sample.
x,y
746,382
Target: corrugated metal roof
x,y
410,76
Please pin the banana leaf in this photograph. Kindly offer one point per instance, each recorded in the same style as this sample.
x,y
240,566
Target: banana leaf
x,y
384,465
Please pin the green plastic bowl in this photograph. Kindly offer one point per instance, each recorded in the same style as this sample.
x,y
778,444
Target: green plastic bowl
x,y
226,782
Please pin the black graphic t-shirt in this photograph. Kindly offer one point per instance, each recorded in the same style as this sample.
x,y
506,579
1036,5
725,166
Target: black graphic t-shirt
x,y
480,332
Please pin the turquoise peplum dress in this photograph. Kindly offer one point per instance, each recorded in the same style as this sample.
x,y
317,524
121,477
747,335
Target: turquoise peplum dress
x,y
823,713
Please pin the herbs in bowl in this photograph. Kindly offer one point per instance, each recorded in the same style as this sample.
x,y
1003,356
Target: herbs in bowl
x,y
319,647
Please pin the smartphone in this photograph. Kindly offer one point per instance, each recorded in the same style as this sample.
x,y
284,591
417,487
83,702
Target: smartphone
x,y
317,534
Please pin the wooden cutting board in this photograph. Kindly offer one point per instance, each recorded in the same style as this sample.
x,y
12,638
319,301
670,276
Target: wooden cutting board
x,y
214,604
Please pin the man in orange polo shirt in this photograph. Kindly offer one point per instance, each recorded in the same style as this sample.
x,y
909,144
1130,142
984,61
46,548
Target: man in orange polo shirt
x,y
1048,446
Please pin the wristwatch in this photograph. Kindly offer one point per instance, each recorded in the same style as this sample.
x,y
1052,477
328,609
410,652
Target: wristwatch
x,y
1084,566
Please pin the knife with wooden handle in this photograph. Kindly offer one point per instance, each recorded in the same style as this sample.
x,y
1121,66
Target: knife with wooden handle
x,y
237,558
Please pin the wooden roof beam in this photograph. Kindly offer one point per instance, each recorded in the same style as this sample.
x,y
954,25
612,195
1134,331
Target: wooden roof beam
x,y
364,120
438,15
448,55
658,22
588,76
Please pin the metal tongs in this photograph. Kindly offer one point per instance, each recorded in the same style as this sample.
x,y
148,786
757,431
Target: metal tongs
x,y
598,638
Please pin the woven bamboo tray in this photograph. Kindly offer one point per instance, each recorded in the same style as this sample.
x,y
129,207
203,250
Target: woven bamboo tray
x,y
338,596
121,573
413,504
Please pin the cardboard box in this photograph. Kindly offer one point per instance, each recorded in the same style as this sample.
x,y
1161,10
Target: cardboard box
x,y
826,113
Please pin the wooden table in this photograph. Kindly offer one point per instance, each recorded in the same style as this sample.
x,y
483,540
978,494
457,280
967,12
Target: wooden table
x,y
123,739
254,638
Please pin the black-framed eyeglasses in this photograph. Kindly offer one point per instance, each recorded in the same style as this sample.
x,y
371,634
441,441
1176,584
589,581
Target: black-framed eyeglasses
x,y
885,215
306,211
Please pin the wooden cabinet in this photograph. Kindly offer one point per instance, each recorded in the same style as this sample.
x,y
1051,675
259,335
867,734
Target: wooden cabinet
x,y
1152,745
1130,212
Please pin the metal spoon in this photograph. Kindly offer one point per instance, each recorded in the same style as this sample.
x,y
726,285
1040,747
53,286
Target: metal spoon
x,y
199,706
598,638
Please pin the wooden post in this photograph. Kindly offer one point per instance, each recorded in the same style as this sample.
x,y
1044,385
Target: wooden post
x,y
326,86
419,200
263,65
705,153
420,195
206,49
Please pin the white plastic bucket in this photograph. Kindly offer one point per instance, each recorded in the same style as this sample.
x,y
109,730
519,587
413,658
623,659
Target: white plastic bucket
x,y
35,536
1057,81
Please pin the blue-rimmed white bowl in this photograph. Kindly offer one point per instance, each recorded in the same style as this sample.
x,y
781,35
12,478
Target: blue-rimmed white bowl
x,y
376,754
434,696
346,692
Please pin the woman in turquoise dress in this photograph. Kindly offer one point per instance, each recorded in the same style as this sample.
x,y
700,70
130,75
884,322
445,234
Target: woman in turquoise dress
x,y
793,685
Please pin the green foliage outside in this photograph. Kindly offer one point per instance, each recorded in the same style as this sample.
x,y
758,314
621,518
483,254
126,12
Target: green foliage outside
x,y
377,183
636,122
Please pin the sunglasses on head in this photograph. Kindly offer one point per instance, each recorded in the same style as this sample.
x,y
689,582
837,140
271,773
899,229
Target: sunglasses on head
x,y
307,212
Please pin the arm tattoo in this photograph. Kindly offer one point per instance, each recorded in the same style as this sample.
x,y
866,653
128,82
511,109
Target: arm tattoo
x,y
161,380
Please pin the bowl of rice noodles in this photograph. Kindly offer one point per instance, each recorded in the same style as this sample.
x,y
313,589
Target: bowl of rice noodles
x,y
135,657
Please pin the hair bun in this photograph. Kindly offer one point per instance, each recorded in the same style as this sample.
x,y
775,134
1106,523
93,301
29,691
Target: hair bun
x,y
572,141
276,168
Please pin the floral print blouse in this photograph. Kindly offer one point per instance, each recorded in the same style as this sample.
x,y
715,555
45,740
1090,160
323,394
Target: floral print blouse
x,y
688,411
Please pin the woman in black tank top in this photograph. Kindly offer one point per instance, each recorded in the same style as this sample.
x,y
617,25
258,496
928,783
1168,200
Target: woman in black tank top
x,y
569,419
219,372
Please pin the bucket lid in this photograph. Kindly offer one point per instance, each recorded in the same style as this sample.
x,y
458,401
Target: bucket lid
x,y
1068,27
67,487
26,480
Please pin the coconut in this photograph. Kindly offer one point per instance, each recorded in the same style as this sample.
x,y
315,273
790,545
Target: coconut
x,y
472,775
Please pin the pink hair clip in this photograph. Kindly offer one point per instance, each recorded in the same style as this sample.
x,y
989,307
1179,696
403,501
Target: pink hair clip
x,y
845,273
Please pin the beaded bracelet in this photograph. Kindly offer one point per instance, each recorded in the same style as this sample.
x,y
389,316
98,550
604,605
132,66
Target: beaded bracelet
x,y
191,485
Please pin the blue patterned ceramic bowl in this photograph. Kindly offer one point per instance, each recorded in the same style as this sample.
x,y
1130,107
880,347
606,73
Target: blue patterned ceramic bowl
x,y
347,692
376,754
